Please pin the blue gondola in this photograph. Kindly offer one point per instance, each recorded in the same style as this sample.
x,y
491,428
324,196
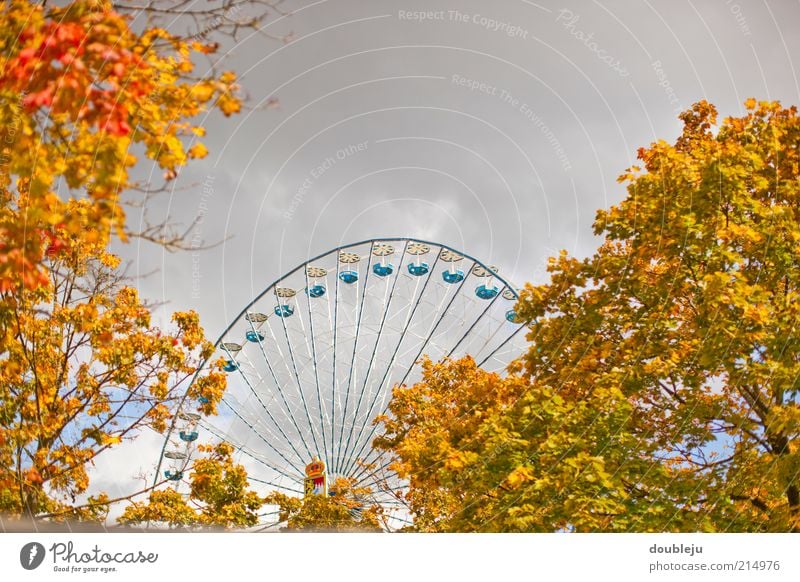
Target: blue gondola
x,y
418,270
203,400
383,270
348,277
512,316
316,291
284,311
453,276
254,336
188,436
176,476
230,366
485,292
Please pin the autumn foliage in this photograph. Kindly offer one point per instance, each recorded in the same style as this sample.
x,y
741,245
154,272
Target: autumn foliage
x,y
218,497
81,98
661,389
347,508
83,367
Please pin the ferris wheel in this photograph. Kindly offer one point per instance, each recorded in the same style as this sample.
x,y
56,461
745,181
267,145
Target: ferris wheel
x,y
313,359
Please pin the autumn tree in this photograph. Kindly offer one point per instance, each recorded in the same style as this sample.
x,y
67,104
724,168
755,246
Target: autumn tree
x,y
660,390
83,98
346,508
80,95
83,370
218,496
483,452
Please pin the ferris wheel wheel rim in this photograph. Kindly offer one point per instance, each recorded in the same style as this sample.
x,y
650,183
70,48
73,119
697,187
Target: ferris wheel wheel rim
x,y
334,251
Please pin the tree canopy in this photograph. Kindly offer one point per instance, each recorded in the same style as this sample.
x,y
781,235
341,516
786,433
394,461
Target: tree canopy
x,y
346,508
83,99
660,391
83,370
219,496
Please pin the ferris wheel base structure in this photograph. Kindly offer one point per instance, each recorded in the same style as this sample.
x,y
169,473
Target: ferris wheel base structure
x,y
313,359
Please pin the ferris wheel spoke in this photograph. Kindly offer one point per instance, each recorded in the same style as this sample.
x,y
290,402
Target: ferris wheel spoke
x,y
368,473
381,497
474,323
400,519
255,423
294,478
338,460
368,463
406,325
276,485
270,514
299,384
288,409
268,526
267,442
435,326
278,383
316,371
489,340
498,348
269,414
335,334
385,312
416,358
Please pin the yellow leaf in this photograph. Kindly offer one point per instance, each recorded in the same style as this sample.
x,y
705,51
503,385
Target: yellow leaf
x,y
198,151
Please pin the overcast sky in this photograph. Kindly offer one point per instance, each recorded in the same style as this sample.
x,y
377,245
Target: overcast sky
x,y
496,127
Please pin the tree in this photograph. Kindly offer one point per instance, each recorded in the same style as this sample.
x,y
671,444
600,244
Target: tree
x,y
346,508
82,98
218,496
487,453
80,95
83,369
660,390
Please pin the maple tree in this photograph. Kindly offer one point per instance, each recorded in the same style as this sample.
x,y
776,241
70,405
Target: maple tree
x,y
82,99
218,496
80,95
84,369
346,508
661,389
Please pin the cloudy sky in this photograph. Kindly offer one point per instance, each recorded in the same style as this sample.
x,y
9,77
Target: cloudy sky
x,y
498,128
